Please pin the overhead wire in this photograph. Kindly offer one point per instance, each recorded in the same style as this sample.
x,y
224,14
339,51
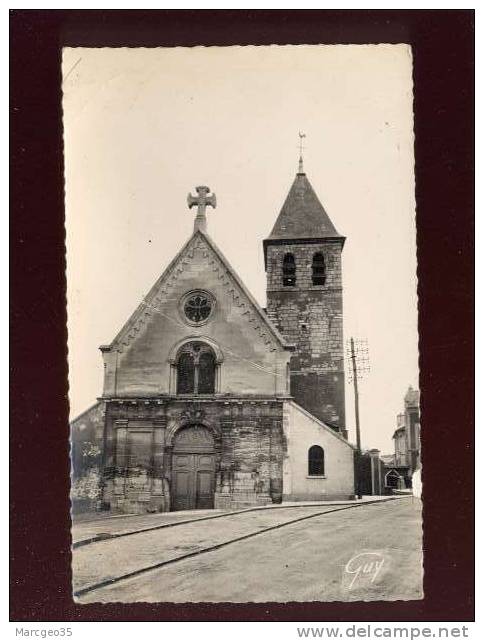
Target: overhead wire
x,y
222,345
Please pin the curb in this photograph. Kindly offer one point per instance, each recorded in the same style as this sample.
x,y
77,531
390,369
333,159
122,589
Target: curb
x,y
106,536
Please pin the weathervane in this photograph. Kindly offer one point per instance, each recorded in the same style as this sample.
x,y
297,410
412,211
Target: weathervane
x,y
301,147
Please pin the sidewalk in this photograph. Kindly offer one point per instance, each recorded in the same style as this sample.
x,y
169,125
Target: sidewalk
x,y
104,525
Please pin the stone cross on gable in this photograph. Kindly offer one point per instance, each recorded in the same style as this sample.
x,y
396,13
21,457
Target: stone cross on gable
x,y
202,201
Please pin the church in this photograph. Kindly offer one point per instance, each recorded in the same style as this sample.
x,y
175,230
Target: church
x,y
211,401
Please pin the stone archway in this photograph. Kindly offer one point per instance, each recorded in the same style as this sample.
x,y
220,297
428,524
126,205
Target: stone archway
x,y
193,468
393,479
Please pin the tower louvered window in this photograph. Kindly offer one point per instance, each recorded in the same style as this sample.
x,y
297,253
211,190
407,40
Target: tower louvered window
x,y
319,269
289,271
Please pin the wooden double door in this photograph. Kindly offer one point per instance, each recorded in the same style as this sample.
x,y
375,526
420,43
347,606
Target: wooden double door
x,y
193,469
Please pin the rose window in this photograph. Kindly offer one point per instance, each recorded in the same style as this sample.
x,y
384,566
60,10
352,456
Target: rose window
x,y
198,307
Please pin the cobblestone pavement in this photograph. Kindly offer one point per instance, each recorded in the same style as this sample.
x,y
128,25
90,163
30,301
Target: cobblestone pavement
x,y
302,561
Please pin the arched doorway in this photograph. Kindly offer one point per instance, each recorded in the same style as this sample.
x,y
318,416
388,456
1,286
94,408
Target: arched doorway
x,y
393,480
193,469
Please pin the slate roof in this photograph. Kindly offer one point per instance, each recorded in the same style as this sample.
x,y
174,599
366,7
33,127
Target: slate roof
x,y
302,215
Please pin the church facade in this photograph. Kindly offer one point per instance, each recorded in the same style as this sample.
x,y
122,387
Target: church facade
x,y
210,401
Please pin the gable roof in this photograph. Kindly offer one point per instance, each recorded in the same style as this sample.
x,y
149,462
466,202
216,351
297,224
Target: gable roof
x,y
81,416
302,215
155,296
320,423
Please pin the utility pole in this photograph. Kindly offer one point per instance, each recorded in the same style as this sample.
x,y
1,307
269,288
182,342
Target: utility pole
x,y
357,418
359,354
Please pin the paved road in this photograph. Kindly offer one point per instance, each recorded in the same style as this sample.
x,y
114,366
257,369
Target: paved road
x,y
112,558
372,552
86,527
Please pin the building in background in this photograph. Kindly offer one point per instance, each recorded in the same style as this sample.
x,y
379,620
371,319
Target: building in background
x,y
406,439
412,428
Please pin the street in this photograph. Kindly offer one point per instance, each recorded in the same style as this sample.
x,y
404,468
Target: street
x,y
370,552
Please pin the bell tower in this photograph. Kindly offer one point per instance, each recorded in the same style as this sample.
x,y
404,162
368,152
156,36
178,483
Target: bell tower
x,y
305,300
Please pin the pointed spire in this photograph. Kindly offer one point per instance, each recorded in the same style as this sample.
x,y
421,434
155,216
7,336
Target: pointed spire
x,y
302,215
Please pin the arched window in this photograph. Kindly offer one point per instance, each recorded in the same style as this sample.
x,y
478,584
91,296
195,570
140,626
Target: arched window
x,y
186,374
319,269
316,461
196,366
289,271
206,373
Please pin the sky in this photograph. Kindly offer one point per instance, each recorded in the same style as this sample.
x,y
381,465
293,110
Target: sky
x,y
143,127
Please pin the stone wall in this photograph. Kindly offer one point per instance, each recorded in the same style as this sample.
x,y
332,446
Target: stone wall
x,y
311,317
252,452
86,453
249,449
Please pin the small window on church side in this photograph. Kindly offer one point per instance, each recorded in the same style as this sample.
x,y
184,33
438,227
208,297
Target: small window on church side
x,y
196,366
289,271
316,461
319,269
